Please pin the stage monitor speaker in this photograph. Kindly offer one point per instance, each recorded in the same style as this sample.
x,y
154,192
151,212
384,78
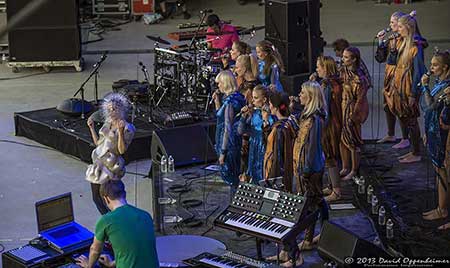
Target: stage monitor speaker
x,y
51,33
188,145
336,244
293,26
73,106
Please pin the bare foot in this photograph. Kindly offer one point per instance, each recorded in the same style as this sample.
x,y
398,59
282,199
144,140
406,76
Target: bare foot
x,y
436,215
444,226
290,264
404,156
404,143
349,176
343,172
387,138
327,191
283,257
428,212
410,159
316,239
334,196
305,245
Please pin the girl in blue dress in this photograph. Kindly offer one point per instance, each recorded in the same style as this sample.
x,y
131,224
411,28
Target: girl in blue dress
x,y
435,134
252,123
228,142
270,65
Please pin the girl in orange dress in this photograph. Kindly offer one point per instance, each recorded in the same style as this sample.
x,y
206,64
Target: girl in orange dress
x,y
402,93
355,110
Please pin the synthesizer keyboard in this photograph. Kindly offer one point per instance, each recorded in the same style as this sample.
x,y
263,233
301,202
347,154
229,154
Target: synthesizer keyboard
x,y
226,259
266,213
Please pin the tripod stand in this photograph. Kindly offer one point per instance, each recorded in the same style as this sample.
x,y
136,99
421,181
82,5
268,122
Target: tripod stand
x,y
95,74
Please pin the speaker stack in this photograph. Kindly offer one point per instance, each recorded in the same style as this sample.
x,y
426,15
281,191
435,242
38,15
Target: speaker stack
x,y
293,26
341,247
51,33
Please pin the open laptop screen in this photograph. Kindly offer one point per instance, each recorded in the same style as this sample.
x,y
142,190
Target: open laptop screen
x,y
54,211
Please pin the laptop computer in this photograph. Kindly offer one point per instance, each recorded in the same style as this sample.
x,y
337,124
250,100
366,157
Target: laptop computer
x,y
56,223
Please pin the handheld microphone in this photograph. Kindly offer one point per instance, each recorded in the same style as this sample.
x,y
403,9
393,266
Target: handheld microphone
x,y
212,99
384,31
428,73
250,108
205,11
442,98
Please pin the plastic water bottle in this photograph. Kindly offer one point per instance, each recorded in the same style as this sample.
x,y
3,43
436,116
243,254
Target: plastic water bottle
x,y
163,164
389,229
382,216
374,204
369,194
361,185
171,166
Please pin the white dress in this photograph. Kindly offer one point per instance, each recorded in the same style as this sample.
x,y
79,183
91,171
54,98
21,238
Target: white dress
x,y
107,163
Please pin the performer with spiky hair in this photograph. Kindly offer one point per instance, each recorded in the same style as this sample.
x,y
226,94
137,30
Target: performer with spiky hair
x,y
111,143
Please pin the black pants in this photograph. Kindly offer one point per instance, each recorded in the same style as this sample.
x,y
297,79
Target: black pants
x,y
98,200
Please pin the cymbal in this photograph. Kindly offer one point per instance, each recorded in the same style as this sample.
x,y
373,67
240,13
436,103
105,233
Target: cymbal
x,y
158,39
250,30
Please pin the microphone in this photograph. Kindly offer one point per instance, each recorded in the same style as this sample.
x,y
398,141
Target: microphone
x,y
428,73
205,11
254,109
104,55
442,98
212,99
384,31
143,66
102,58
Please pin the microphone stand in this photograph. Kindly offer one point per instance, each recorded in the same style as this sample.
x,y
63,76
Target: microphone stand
x,y
151,97
81,89
197,75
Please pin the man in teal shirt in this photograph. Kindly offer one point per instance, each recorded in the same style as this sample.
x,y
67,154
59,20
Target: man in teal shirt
x,y
127,228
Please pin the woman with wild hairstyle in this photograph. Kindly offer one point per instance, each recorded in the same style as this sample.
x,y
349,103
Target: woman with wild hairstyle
x,y
355,110
331,85
270,65
252,123
435,133
111,143
402,94
228,142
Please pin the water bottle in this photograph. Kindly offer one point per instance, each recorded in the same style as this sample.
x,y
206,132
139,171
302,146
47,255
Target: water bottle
x,y
369,194
163,164
374,204
361,185
382,216
171,165
389,229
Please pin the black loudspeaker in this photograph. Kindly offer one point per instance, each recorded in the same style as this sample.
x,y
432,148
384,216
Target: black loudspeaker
x,y
73,106
188,145
339,245
51,33
293,26
292,83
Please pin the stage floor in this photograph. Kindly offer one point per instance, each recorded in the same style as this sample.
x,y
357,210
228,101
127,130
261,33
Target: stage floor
x,y
404,190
